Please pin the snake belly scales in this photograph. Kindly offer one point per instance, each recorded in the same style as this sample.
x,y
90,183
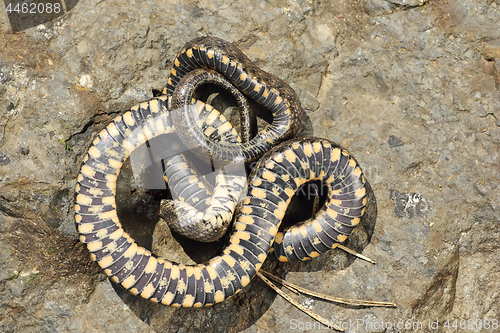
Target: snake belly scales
x,y
272,183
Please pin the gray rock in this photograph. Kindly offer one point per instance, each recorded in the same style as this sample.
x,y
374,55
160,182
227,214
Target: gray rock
x,y
411,88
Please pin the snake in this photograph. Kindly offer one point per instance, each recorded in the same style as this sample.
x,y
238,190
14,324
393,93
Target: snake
x,y
274,180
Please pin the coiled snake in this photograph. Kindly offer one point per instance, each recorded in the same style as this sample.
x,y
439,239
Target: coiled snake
x,y
272,184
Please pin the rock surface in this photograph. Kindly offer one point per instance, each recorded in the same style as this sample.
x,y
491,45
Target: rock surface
x,y
411,88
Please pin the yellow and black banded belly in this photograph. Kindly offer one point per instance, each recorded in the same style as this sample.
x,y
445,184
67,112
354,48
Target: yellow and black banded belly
x,y
205,214
267,90
206,220
273,183
334,222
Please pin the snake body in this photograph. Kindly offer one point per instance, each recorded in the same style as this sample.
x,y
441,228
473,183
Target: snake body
x,y
273,182
256,223
267,90
206,213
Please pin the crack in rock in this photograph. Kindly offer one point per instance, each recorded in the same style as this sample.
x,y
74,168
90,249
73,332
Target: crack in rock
x,y
440,295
